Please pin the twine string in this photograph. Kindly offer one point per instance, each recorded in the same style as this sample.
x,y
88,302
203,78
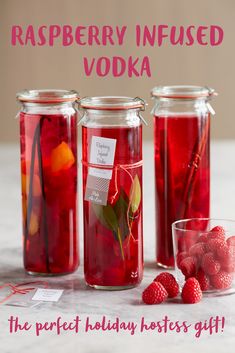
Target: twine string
x,y
17,289
116,167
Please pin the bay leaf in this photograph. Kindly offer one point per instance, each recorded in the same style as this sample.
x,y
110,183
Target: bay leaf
x,y
121,209
135,194
106,216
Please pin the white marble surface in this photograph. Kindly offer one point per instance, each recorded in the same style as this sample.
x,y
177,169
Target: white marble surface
x,y
126,305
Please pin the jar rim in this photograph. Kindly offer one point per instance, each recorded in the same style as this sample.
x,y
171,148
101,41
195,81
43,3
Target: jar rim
x,y
182,92
112,103
47,96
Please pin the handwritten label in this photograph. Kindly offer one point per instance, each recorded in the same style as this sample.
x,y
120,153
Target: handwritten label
x,y
48,295
102,152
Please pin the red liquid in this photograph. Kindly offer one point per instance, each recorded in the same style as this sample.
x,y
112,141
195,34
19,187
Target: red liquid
x,y
106,261
182,176
49,193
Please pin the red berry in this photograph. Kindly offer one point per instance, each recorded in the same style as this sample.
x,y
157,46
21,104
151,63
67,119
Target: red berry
x,y
231,240
198,250
155,293
217,232
221,280
218,229
209,264
191,292
169,283
180,256
227,262
213,244
228,267
203,280
188,266
226,252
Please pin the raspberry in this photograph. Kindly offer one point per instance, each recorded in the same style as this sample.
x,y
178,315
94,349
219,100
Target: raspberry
x,y
218,229
180,256
217,232
198,250
209,264
221,280
231,240
228,267
191,292
213,244
188,266
203,280
155,293
226,252
169,283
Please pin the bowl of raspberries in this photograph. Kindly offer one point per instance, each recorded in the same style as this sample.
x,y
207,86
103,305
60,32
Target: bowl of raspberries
x,y
204,249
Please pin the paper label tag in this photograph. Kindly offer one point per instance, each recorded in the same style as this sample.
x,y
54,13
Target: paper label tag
x,y
47,295
102,152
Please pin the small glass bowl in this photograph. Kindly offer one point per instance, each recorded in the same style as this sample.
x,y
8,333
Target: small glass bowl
x,y
205,248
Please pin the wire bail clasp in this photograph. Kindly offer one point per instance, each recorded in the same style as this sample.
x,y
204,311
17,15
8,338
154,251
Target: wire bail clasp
x,y
142,108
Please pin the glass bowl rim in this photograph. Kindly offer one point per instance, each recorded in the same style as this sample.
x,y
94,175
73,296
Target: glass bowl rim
x,y
185,220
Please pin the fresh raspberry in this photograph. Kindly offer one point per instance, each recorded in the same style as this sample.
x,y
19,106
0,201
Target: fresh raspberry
x,y
228,267
203,280
221,280
231,240
191,292
217,232
155,293
180,256
202,238
188,266
213,244
198,250
209,264
227,262
169,283
226,252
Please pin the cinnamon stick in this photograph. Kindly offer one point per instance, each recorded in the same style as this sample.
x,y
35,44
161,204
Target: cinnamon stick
x,y
194,165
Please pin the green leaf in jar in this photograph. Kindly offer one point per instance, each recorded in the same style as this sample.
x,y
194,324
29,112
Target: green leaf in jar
x,y
135,194
121,210
106,216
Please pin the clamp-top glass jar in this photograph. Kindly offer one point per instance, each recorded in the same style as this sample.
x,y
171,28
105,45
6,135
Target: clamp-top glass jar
x,y
48,140
182,159
112,191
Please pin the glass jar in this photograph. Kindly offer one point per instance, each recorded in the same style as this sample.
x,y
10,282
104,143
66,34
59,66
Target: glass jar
x,y
48,141
182,160
112,191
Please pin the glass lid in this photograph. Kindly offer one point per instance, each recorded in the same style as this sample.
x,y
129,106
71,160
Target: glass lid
x,y
182,92
47,96
112,103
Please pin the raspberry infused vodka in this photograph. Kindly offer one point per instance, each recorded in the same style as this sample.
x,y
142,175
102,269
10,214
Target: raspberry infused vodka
x,y
112,191
48,140
182,160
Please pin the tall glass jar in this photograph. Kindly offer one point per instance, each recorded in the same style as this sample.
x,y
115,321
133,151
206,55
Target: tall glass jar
x,y
112,191
182,160
48,141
